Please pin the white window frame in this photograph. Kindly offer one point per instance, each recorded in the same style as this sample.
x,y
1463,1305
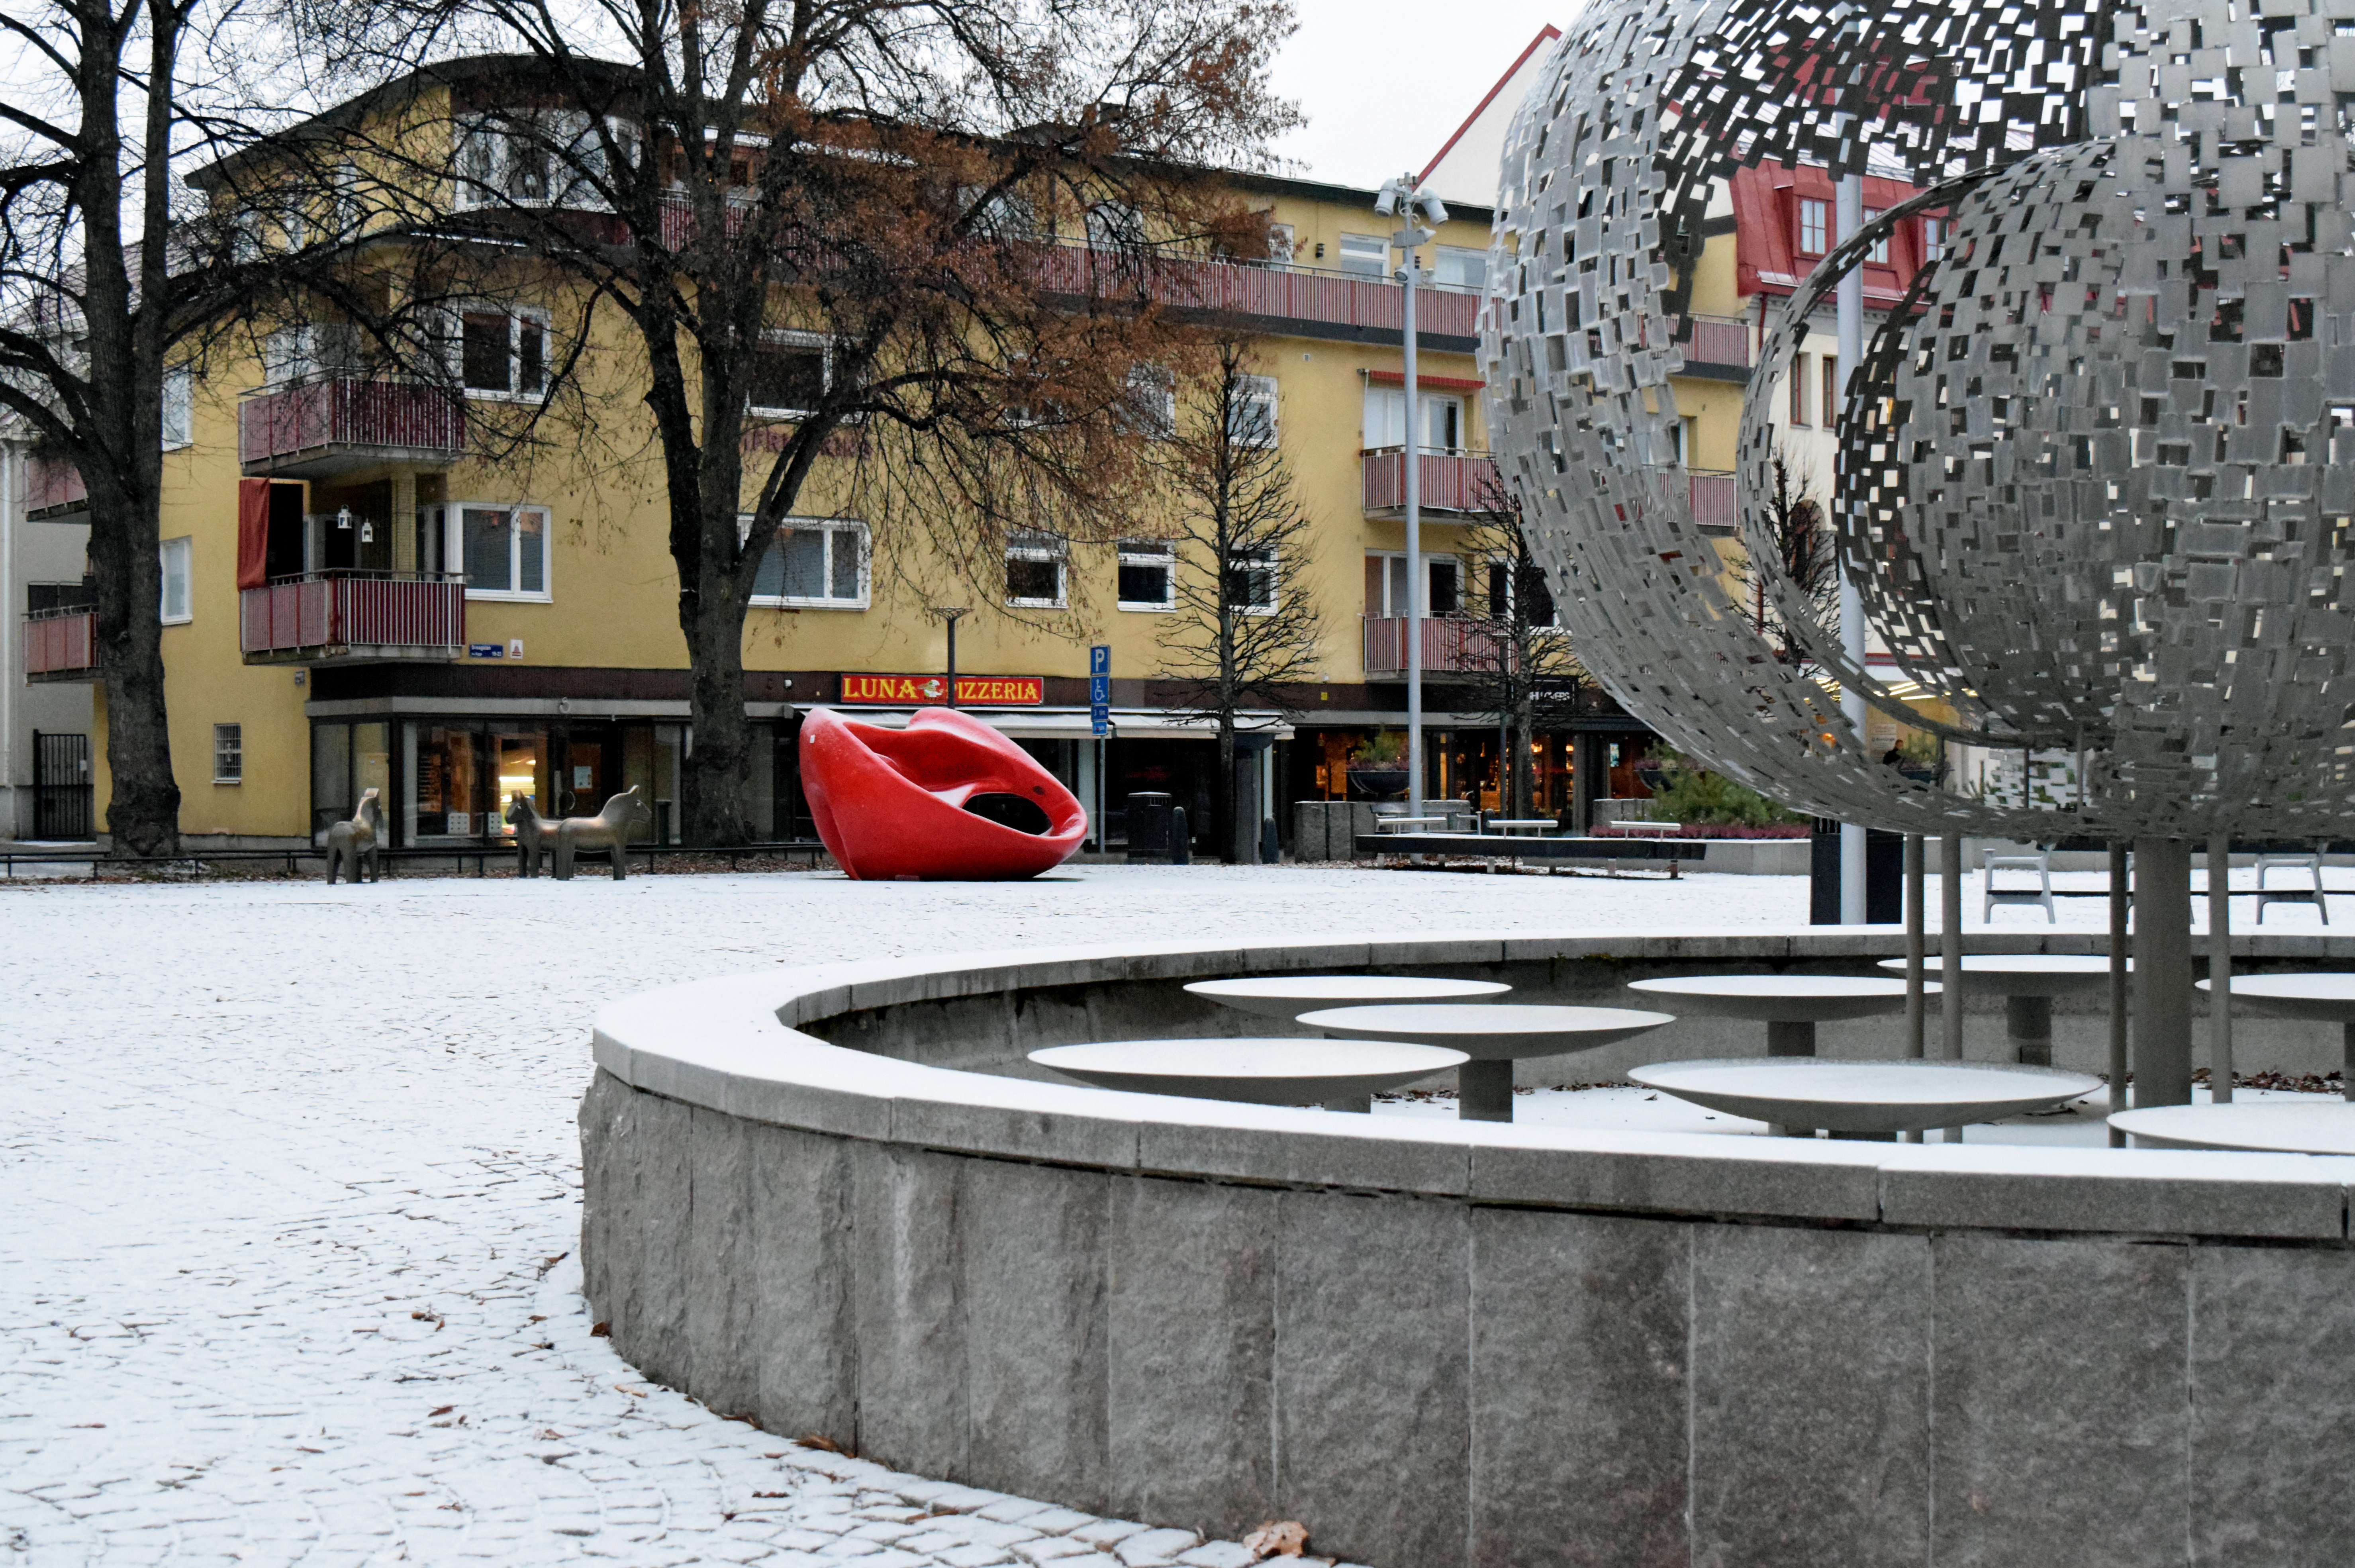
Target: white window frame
x,y
840,533
183,552
501,132
1040,547
1815,219
1364,245
1395,578
1935,232
516,315
1282,243
1162,554
180,408
454,550
1256,391
1266,555
1458,256
1391,400
229,745
1879,253
781,338
1153,400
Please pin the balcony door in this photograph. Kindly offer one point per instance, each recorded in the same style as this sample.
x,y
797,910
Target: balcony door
x,y
286,552
1385,419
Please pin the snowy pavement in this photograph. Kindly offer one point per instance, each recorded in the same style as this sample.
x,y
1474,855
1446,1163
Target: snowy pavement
x,y
291,1184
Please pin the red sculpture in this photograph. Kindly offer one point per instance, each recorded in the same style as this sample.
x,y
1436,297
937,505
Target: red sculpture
x,y
946,798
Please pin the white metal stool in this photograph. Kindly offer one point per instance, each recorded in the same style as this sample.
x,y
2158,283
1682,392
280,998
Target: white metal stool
x,y
2040,863
2311,864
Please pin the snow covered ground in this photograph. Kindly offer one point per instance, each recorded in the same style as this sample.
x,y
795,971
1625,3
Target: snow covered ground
x,y
291,1195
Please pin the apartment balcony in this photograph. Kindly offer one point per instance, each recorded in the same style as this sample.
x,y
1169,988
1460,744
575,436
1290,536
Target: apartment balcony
x,y
54,492
355,617
1713,511
1275,292
1458,481
1717,347
1450,646
61,646
327,425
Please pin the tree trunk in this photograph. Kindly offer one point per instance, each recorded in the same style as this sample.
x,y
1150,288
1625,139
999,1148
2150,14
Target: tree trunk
x,y
1223,798
143,811
720,761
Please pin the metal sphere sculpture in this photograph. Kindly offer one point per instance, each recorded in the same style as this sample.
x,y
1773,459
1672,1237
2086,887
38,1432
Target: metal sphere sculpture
x,y
2096,471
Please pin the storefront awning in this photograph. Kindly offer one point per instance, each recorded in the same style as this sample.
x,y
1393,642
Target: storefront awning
x,y
1073,724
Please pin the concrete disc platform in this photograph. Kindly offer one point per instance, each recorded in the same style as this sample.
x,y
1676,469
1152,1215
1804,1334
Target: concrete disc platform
x,y
2327,1128
1280,1071
1289,995
1865,1096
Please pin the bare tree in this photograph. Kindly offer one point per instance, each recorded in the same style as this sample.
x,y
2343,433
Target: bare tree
x,y
831,228
110,275
1530,679
1801,537
1246,625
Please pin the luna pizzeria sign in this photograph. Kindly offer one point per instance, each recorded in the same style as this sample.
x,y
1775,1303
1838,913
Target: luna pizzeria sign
x,y
920,691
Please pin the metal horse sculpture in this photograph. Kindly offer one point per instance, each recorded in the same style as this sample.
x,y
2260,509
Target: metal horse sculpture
x,y
353,844
534,835
611,828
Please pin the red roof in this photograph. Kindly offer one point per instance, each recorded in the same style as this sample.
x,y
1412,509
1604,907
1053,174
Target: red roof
x,y
1766,231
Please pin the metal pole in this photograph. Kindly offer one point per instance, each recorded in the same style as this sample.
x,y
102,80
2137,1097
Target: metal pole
x,y
2118,984
1415,584
952,694
1915,1023
1848,215
2162,1012
2219,969
1950,947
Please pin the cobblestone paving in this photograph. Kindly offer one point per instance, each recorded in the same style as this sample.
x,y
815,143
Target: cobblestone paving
x,y
291,1193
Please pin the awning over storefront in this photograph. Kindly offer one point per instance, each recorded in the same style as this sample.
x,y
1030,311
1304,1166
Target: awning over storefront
x,y
1073,724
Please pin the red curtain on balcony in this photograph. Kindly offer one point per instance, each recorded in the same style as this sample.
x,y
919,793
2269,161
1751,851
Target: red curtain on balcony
x,y
252,532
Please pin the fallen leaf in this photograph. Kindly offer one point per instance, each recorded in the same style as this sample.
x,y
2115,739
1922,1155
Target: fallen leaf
x,y
537,1317
824,1443
441,1410
1277,1538
601,1330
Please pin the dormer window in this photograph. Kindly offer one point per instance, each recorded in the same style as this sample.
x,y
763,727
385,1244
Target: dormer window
x,y
1814,226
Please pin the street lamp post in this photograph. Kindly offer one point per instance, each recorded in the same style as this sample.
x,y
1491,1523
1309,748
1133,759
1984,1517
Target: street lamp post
x,y
1402,199
952,613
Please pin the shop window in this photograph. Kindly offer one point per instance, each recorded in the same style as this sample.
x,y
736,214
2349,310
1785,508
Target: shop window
x,y
176,608
1366,255
1034,571
505,549
1251,580
503,353
228,753
1148,575
819,563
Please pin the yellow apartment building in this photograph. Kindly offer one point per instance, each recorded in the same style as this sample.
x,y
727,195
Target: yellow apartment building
x,y
357,597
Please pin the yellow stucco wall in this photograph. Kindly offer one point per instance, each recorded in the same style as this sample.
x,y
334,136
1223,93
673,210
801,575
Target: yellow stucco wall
x,y
612,589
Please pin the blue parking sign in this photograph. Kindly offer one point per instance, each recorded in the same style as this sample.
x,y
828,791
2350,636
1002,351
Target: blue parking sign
x,y
1100,659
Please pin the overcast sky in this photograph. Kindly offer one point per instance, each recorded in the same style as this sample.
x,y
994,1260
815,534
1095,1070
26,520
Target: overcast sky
x,y
1385,82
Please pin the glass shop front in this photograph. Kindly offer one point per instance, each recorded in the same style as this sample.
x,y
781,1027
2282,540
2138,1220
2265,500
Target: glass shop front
x,y
449,781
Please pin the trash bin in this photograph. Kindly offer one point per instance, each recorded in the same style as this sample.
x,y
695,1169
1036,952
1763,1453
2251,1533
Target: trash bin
x,y
1148,827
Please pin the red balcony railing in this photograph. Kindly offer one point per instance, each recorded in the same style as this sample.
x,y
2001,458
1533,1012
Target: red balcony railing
x,y
315,427
53,486
1451,481
1719,340
357,616
1712,502
1449,645
61,644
